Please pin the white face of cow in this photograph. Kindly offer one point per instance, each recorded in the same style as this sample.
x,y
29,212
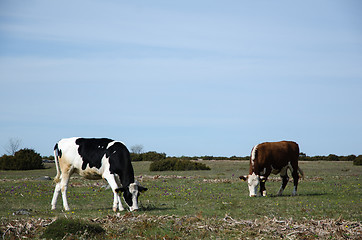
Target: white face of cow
x,y
130,195
253,183
133,189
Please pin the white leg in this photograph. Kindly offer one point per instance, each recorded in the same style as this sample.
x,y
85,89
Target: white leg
x,y
64,187
264,193
120,206
116,199
55,195
294,191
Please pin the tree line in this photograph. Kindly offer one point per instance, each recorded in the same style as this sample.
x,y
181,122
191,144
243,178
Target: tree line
x,y
153,156
26,159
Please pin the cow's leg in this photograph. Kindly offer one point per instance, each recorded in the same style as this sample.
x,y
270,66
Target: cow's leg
x,y
111,179
63,188
265,174
262,186
55,195
120,207
295,176
285,179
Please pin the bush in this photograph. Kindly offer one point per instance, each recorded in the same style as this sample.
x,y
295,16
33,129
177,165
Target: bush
x,y
174,164
7,162
358,160
348,158
136,157
24,159
148,156
72,228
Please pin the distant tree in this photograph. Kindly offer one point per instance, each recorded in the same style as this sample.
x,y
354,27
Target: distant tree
x,y
12,146
137,149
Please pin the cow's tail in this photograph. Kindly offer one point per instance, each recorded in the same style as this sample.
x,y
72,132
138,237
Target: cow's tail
x,y
300,171
56,158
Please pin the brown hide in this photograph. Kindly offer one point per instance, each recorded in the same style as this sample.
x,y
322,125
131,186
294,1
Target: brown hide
x,y
274,155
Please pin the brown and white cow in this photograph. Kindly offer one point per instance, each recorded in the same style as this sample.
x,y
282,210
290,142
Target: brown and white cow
x,y
273,157
96,158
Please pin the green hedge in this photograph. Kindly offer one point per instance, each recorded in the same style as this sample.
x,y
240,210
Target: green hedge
x,y
174,164
24,159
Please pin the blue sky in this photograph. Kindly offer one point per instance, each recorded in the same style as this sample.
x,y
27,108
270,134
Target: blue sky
x,y
183,77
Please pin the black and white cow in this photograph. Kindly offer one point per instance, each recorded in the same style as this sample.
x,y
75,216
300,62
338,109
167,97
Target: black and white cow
x,y
96,158
273,157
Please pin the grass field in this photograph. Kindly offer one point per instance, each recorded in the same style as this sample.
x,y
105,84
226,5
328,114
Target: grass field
x,y
194,204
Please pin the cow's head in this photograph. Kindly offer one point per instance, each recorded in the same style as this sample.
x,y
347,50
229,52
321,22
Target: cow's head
x,y
131,193
253,183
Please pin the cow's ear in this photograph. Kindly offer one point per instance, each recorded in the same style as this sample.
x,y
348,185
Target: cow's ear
x,y
121,189
142,189
243,178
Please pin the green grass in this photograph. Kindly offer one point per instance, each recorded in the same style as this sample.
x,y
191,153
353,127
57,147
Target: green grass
x,y
330,190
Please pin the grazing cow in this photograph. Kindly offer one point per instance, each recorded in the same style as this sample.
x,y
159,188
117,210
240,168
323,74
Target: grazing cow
x,y
273,157
96,158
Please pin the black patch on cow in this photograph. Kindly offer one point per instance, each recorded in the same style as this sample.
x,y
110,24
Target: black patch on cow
x,y
92,151
59,151
120,163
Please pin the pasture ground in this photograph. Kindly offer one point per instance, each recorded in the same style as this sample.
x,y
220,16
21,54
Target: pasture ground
x,y
193,205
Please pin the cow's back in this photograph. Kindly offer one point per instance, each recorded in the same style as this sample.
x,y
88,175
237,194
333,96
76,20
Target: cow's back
x,y
278,154
82,154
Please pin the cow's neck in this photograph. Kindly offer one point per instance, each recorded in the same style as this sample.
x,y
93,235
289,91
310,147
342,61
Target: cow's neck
x,y
126,178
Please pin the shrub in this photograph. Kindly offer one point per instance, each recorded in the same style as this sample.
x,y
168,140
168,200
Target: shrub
x,y
333,157
174,164
72,227
7,162
348,158
358,160
136,157
24,159
148,156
